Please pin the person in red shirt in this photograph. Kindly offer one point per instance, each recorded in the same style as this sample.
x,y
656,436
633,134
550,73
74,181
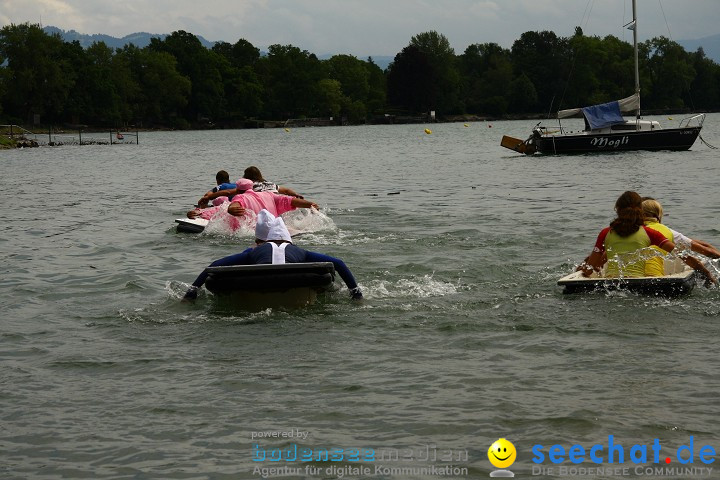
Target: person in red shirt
x,y
623,244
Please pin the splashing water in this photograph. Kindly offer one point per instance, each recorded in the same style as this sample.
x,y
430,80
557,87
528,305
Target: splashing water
x,y
347,237
643,255
713,266
418,287
307,220
222,223
299,221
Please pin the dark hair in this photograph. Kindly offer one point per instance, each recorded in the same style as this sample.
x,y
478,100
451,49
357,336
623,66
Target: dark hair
x,y
253,173
630,215
222,177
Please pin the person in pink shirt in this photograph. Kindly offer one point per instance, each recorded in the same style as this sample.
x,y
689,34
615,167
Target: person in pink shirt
x,y
253,201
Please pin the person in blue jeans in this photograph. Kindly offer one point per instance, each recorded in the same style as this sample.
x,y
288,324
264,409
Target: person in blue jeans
x,y
274,245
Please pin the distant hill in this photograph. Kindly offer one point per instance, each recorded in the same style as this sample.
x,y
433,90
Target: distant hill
x,y
139,39
381,61
142,39
711,46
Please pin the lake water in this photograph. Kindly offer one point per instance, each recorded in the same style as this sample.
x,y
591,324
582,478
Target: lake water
x,y
463,336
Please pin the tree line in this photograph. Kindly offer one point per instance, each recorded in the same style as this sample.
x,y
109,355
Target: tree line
x,y
177,82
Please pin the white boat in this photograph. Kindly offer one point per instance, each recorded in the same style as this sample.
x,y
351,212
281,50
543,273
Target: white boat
x,y
679,279
607,130
191,225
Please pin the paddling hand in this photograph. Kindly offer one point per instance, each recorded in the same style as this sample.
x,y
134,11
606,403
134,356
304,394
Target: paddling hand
x,y
236,209
586,269
356,294
193,214
700,268
592,263
302,203
191,294
203,202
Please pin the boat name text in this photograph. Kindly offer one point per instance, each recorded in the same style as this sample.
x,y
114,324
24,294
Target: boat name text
x,y
605,142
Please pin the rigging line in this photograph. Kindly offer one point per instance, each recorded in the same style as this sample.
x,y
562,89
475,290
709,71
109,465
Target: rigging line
x,y
667,25
665,18
550,108
624,22
706,143
590,12
572,64
585,19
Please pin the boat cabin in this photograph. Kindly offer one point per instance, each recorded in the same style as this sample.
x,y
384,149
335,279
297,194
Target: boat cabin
x,y
626,126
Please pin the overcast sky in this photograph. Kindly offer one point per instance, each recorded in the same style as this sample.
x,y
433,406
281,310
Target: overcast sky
x,y
368,27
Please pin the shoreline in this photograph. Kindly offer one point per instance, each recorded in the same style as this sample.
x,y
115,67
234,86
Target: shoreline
x,y
22,141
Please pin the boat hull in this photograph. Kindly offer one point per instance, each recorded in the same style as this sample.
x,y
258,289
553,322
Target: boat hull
x,y
256,287
665,139
666,286
191,225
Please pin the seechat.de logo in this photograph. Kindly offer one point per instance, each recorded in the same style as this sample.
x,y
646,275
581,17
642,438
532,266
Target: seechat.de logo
x,y
615,453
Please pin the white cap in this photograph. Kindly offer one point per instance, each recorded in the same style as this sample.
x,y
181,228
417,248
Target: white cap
x,y
269,227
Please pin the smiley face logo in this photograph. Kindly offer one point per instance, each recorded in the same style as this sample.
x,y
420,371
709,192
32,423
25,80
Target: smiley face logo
x,y
502,453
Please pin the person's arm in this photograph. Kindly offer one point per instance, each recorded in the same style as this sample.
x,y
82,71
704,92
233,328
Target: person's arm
x,y
288,191
342,270
704,248
236,209
237,259
302,203
206,213
693,262
592,263
698,246
597,258
667,245
204,200
698,266
229,192
681,241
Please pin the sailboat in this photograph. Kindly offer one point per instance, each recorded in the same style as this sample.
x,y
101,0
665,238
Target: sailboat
x,y
607,130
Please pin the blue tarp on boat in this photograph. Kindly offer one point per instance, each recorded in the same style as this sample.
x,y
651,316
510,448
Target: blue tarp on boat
x,y
603,115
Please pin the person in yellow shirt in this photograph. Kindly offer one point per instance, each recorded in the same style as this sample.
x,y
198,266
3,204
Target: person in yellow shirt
x,y
654,267
653,211
623,244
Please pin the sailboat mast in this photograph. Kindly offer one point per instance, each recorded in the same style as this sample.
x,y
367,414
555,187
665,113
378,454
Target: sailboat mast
x,y
637,67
